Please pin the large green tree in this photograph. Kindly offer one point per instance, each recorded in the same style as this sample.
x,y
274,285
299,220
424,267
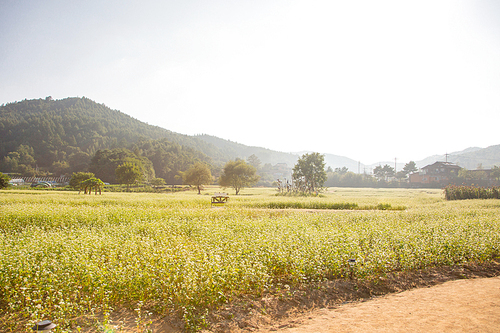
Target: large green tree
x,y
410,167
92,184
128,173
238,174
383,172
77,179
169,158
197,175
309,172
105,162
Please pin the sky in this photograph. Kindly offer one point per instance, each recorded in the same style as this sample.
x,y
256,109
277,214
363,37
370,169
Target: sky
x,y
369,80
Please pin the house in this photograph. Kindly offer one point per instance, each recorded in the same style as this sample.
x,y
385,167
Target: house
x,y
441,173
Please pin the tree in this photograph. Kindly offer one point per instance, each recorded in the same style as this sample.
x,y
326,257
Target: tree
x,y
4,180
78,161
341,171
310,172
77,178
382,173
128,173
410,167
495,172
20,161
464,174
254,161
157,182
197,175
105,162
238,174
400,175
92,184
60,167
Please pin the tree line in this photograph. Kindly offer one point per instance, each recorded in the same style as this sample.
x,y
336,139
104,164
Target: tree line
x,y
383,176
45,137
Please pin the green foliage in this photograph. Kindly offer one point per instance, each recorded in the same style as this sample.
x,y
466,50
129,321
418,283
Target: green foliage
x,y
198,175
157,181
169,158
77,178
383,172
463,192
4,181
495,172
20,161
410,167
254,161
309,172
61,136
105,163
341,171
238,174
129,173
92,183
349,179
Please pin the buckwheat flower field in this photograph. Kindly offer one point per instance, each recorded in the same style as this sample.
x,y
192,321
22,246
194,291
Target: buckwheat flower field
x,y
64,255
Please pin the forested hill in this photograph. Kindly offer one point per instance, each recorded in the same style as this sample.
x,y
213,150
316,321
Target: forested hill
x,y
238,150
61,136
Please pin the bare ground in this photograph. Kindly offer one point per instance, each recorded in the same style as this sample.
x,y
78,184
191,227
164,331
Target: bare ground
x,y
446,299
455,306
317,309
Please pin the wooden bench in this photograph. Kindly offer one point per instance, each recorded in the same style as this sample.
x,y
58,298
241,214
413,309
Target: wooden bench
x,y
219,199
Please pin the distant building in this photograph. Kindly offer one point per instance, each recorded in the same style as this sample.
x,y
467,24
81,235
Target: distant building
x,y
441,173
16,182
57,181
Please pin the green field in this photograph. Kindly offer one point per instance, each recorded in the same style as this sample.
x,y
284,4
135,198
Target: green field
x,y
65,256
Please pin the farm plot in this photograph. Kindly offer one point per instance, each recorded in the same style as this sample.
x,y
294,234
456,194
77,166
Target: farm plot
x,y
75,258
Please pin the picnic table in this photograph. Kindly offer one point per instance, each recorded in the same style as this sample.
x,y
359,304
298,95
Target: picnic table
x,y
219,199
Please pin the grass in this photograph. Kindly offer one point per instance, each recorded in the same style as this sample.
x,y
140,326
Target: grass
x,y
65,256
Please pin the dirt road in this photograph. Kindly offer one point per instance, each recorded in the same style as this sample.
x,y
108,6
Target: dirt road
x,y
442,299
471,305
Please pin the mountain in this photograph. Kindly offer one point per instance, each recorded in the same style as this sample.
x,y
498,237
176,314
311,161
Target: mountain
x,y
61,136
238,150
469,158
337,161
234,149
74,122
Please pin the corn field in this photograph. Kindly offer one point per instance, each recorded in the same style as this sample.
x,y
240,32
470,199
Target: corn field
x,y
471,192
64,255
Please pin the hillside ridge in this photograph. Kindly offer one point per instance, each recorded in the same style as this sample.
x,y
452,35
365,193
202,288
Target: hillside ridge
x,y
77,127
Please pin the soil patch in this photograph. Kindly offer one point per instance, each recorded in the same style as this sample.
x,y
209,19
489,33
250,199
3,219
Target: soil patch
x,y
396,302
293,307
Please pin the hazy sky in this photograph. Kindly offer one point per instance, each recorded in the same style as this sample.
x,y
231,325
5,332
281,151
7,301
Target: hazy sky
x,y
370,80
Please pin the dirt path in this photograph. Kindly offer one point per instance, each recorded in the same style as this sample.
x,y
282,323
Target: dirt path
x,y
442,299
456,306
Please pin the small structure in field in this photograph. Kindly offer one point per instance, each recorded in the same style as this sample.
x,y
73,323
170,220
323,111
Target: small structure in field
x,y
219,199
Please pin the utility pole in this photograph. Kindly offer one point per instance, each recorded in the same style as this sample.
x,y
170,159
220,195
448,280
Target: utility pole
x,y
395,165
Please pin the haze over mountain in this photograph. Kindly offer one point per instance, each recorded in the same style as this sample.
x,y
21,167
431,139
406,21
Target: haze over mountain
x,y
63,135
